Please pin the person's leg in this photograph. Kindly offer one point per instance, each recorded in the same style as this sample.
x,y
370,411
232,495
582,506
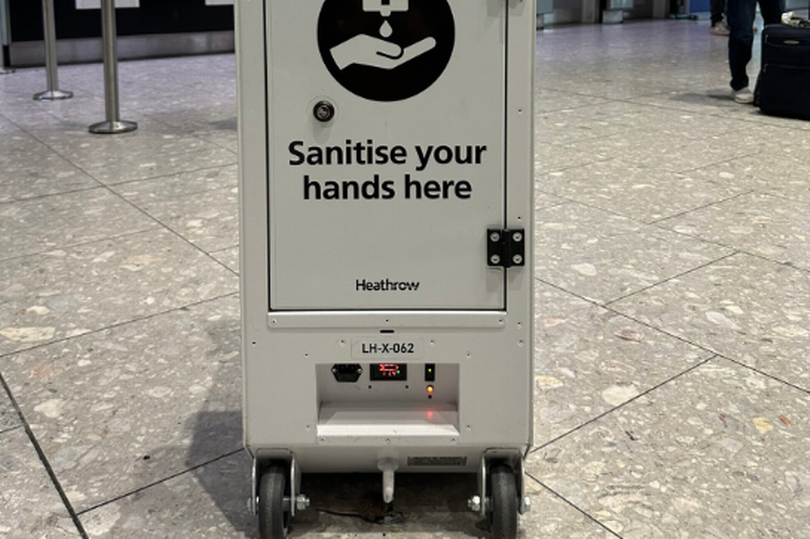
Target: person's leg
x,y
716,8
771,11
740,21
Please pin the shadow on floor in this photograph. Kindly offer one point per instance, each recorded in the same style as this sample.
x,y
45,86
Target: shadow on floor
x,y
341,503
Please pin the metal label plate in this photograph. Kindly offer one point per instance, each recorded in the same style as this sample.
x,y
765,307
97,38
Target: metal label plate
x,y
372,348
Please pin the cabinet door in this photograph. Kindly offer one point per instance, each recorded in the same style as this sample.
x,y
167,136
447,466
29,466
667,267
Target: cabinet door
x,y
385,205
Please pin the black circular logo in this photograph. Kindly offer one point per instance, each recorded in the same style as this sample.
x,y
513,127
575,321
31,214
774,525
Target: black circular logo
x,y
386,50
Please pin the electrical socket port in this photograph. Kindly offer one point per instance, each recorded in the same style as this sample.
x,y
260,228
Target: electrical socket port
x,y
347,372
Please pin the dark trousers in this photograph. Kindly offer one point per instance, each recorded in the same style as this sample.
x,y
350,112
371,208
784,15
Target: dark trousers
x,y
741,15
717,7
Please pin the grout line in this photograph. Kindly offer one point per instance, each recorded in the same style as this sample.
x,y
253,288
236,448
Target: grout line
x,y
763,373
657,222
10,429
663,331
112,185
48,195
178,131
173,231
173,175
44,460
721,162
628,317
574,506
615,408
158,482
607,304
120,324
786,264
80,244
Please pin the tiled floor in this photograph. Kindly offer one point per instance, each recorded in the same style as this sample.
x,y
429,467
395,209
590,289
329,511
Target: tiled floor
x,y
673,307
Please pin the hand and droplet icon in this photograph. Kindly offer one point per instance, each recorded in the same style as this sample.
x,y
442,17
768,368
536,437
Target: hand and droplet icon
x,y
367,50
386,30
386,50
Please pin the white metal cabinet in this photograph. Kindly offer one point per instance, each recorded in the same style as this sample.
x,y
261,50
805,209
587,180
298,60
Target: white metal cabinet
x,y
386,170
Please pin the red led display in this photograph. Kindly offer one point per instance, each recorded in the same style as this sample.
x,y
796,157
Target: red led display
x,y
388,371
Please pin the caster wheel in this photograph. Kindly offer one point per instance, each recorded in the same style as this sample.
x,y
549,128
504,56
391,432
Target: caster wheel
x,y
504,500
274,519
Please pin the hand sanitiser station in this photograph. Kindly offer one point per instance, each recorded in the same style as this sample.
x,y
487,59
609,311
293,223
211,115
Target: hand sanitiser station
x,y
386,184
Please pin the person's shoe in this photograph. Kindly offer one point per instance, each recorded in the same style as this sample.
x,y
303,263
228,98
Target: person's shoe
x,y
744,96
719,28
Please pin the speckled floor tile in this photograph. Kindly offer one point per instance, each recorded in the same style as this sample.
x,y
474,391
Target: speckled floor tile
x,y
222,134
179,185
209,220
764,225
184,96
218,115
433,506
672,124
152,150
543,200
779,173
209,502
8,415
61,221
550,157
589,360
202,207
68,292
552,518
29,503
671,153
30,169
571,125
7,127
713,100
745,308
720,452
615,118
229,257
138,403
206,503
549,99
610,86
646,194
604,257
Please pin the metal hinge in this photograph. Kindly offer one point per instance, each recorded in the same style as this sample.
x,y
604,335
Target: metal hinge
x,y
506,248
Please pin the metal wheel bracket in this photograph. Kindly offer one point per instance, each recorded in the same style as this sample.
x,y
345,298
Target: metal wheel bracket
x,y
481,503
292,503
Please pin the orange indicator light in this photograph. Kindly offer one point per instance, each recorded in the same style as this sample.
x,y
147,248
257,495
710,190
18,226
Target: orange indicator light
x,y
430,389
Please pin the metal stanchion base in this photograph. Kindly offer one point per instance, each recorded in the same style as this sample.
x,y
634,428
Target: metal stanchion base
x,y
54,95
112,128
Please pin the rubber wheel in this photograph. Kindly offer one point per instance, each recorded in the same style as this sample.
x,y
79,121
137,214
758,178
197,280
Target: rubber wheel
x,y
274,521
503,497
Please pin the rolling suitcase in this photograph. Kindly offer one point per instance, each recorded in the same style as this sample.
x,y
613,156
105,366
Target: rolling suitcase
x,y
783,86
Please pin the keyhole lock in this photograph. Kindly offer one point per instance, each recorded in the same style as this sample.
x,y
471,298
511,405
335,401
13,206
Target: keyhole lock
x,y
324,111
